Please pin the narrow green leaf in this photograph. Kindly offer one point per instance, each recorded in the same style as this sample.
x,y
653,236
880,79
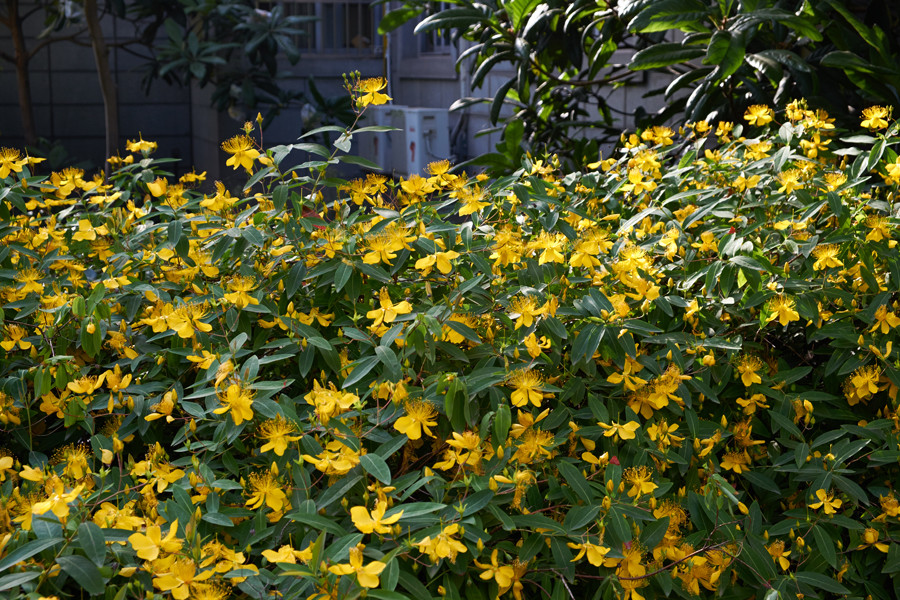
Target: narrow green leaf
x,y
374,465
825,545
92,541
576,481
663,55
8,582
28,550
84,572
819,581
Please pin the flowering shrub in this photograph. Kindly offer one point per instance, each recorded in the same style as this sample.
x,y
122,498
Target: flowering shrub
x,y
671,375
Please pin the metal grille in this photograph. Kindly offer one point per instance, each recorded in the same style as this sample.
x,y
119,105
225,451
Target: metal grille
x,y
341,28
436,41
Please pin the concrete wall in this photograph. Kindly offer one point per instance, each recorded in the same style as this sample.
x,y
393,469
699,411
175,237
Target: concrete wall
x,y
67,103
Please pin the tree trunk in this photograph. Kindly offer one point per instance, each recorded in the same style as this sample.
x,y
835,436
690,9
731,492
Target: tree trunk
x,y
26,108
107,85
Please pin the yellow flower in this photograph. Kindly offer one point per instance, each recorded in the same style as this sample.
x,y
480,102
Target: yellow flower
x,y
58,500
179,577
751,404
148,545
664,434
790,181
596,554
527,384
10,161
158,186
826,256
472,200
875,117
639,478
87,231
370,90
736,461
862,384
759,114
287,554
441,259
637,184
204,360
503,575
779,556
870,538
884,320
266,490
140,145
163,408
443,545
374,522
534,346
366,575
277,433
525,309
747,366
242,151
707,243
418,418
827,502
783,309
388,311
239,295
15,336
329,401
239,401
624,432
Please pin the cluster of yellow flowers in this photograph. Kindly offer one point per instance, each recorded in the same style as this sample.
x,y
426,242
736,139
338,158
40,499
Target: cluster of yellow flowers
x,y
674,369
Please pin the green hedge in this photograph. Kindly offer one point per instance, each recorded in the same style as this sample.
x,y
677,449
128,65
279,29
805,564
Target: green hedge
x,y
671,375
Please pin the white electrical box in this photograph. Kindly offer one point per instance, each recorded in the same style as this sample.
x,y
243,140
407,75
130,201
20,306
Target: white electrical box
x,y
423,137
376,146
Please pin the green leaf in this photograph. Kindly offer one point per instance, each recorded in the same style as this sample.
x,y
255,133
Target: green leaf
x,y
93,542
84,572
576,481
398,17
520,9
374,465
726,51
8,582
342,275
579,516
892,562
316,522
662,15
381,594
464,330
819,581
392,371
359,161
663,55
785,423
653,533
361,368
502,422
453,18
174,232
825,545
28,550
337,491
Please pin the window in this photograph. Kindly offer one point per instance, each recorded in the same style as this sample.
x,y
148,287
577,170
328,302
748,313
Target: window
x,y
342,27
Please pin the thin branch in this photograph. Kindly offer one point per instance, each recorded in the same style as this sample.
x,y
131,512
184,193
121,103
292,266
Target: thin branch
x,y
51,40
